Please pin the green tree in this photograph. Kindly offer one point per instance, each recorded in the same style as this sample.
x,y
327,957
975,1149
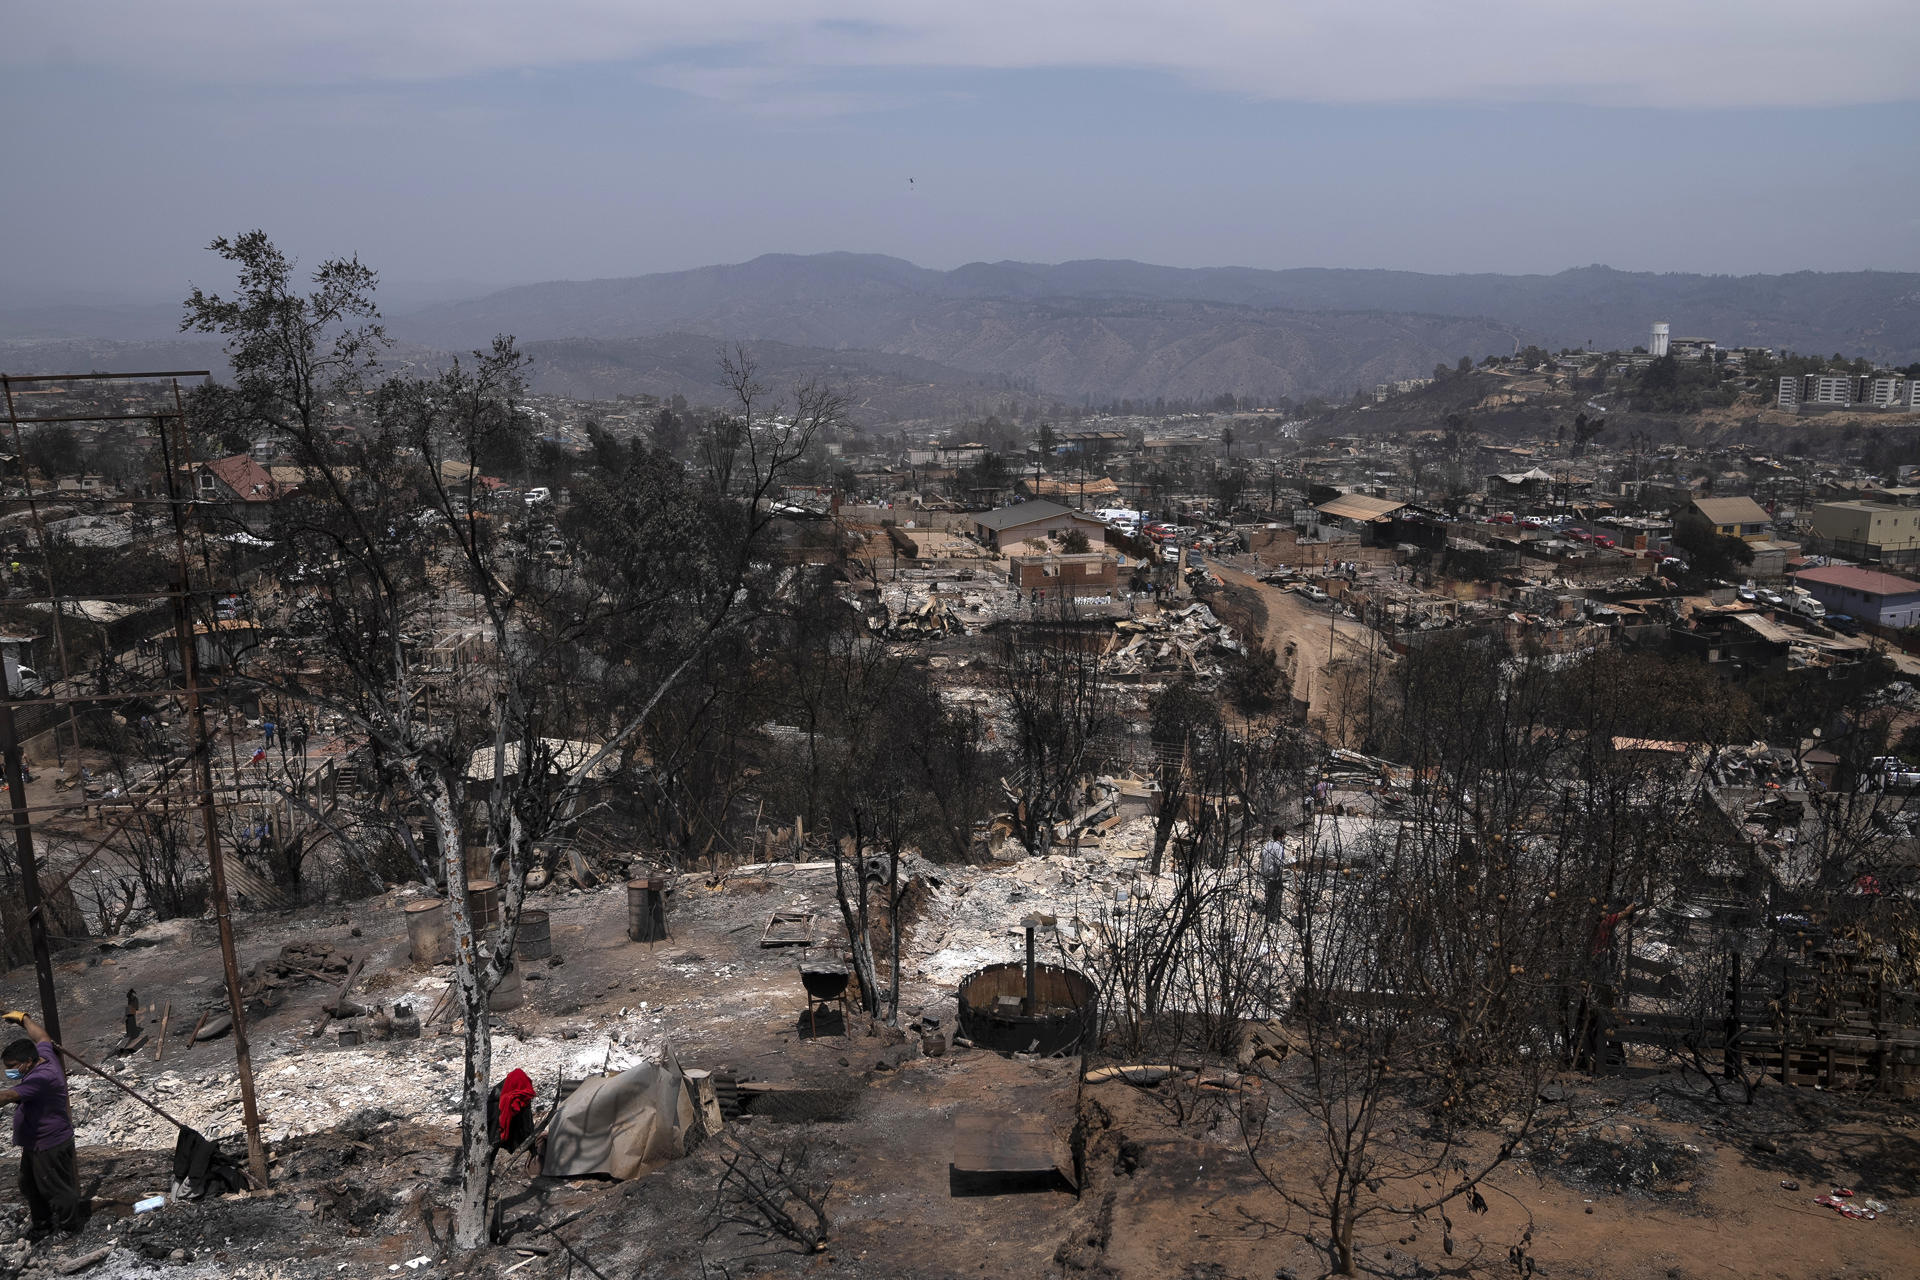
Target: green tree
x,y
1710,555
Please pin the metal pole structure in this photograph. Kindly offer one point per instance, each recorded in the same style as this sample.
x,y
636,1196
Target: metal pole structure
x,y
16,788
46,559
29,869
216,859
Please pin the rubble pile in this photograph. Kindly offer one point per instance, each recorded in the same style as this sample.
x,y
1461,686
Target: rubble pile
x,y
1189,640
1619,1157
14,1247
298,962
910,615
304,1091
974,919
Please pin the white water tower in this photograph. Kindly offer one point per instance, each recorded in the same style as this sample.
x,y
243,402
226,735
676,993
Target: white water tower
x,y
1658,344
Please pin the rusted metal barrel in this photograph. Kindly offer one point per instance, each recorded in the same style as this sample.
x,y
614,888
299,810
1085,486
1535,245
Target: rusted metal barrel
x,y
647,909
483,903
532,940
510,994
427,940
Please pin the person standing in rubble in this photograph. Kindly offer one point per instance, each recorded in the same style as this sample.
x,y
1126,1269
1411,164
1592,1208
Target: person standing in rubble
x,y
1273,870
43,1130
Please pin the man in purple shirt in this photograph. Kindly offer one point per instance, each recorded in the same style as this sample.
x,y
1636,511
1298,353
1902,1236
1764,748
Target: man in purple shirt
x,y
43,1130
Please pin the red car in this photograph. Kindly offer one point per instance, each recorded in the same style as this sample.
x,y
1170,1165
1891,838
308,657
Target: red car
x,y
1503,518
1602,540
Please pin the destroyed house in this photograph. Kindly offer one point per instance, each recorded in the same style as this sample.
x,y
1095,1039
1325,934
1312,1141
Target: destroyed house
x,y
1068,577
1529,484
1102,490
1003,527
1737,637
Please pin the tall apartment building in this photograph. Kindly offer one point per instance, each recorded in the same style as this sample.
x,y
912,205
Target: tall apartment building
x,y
1789,396
1824,388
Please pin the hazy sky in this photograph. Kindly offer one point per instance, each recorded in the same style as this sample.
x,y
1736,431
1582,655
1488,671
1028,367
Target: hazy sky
x,y
486,142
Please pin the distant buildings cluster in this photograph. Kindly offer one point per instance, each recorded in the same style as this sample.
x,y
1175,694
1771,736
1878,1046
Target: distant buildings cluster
x,y
1382,390
1849,391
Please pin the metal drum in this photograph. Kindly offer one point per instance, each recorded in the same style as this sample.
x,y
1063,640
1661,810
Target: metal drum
x,y
427,940
510,994
532,941
483,904
647,909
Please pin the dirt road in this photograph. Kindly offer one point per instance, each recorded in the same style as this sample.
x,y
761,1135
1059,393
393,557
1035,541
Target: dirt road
x,y
1301,633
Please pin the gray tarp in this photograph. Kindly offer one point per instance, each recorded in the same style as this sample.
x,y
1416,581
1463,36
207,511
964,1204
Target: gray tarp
x,y
623,1125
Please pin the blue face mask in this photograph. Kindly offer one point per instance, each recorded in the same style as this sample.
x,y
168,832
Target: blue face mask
x,y
13,1073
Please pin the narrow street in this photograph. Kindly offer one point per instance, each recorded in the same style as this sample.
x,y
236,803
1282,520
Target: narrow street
x,y
1301,633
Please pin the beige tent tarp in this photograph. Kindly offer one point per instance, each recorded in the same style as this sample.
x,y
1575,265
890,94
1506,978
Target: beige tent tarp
x,y
623,1125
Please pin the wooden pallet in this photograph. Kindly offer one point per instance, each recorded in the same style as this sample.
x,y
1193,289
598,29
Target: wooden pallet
x,y
790,928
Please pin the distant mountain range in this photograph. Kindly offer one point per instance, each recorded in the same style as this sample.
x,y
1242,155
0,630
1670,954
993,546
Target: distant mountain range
x,y
1098,330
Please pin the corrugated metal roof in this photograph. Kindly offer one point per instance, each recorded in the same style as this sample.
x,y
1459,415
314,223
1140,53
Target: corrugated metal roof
x,y
1869,581
1358,506
1022,513
1764,627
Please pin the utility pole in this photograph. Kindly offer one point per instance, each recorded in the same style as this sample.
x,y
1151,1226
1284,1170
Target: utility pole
x,y
23,841
203,761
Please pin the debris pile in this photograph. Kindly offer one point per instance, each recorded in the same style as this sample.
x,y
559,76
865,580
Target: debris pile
x,y
302,1094
1173,640
910,615
298,962
1614,1156
973,920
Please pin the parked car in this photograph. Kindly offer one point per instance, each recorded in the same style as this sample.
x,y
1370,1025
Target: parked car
x,y
1314,594
1843,623
1806,607
1889,772
1748,595
1602,540
1772,599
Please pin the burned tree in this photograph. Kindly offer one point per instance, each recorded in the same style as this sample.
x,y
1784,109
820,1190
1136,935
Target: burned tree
x,y
1059,710
397,540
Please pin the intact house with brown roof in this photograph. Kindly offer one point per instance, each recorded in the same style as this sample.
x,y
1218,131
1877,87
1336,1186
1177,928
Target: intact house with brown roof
x,y
242,486
1867,594
1736,517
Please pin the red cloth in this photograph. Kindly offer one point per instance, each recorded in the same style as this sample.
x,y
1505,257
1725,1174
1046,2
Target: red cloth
x,y
1603,935
516,1091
